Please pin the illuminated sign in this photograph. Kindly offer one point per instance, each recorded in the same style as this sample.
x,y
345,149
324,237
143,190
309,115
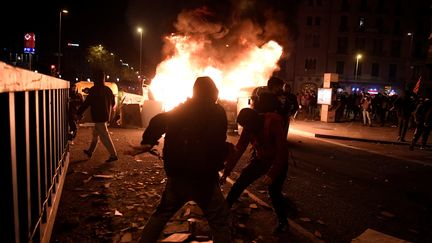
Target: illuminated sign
x,y
29,43
324,96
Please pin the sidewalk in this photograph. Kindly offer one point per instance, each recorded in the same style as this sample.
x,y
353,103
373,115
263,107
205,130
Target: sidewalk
x,y
351,131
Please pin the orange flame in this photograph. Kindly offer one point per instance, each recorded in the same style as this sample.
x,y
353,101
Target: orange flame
x,y
176,75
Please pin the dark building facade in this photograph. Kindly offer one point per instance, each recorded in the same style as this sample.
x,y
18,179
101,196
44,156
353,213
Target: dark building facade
x,y
372,44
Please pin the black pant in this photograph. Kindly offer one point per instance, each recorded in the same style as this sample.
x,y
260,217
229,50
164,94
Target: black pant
x,y
208,197
423,132
254,170
73,128
403,126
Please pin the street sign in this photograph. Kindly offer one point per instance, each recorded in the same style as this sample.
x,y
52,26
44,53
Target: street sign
x,y
29,43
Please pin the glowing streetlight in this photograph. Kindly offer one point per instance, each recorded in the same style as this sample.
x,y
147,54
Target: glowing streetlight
x,y
140,31
59,40
358,57
411,35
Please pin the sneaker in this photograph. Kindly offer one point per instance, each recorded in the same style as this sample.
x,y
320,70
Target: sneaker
x,y
88,153
112,158
281,228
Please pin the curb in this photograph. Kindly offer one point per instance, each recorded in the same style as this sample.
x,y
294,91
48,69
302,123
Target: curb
x,y
317,135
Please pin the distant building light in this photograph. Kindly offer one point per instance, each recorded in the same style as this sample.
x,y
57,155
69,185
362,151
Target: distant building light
x,y
73,44
118,79
29,50
76,79
88,79
35,71
59,75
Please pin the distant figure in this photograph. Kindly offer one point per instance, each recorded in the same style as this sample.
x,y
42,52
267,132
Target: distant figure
x,y
75,100
194,151
269,159
366,105
101,100
404,106
423,120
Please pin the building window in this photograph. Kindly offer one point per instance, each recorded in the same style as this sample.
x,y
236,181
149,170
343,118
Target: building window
x,y
380,25
308,41
317,21
342,45
361,24
360,43
381,6
395,48
340,67
343,26
375,70
363,5
397,27
392,71
309,21
316,41
377,48
345,5
310,64
398,7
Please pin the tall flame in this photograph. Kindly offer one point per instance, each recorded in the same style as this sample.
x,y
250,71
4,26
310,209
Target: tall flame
x,y
175,76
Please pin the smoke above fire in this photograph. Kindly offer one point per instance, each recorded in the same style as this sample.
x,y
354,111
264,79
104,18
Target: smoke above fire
x,y
242,54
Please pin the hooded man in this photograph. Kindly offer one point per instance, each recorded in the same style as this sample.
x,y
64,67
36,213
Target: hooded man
x,y
194,151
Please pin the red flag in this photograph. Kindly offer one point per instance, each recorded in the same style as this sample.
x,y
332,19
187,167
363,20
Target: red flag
x,y
417,86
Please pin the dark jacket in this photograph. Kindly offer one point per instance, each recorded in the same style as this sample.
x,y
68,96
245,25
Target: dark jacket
x,y
404,106
101,100
195,134
267,143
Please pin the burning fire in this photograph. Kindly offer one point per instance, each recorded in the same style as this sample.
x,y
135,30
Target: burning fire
x,y
243,55
175,76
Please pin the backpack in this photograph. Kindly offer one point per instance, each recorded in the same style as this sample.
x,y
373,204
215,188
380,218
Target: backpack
x,y
195,141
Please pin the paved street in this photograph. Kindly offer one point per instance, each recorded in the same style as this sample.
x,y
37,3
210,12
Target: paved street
x,y
340,187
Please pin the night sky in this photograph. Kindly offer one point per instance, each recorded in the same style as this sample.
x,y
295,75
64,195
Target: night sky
x,y
114,23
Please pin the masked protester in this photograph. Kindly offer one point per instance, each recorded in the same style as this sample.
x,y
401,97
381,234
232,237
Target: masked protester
x,y
193,153
269,159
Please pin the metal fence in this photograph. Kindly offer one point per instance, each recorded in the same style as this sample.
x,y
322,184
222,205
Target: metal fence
x,y
34,152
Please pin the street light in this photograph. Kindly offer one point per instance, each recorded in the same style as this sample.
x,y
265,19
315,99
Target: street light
x,y
59,40
140,30
358,57
411,35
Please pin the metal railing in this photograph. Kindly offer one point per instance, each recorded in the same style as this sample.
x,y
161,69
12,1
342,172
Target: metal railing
x,y
34,152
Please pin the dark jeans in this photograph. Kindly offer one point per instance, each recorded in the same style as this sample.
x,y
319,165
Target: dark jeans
x,y
254,170
423,132
208,197
403,126
73,128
